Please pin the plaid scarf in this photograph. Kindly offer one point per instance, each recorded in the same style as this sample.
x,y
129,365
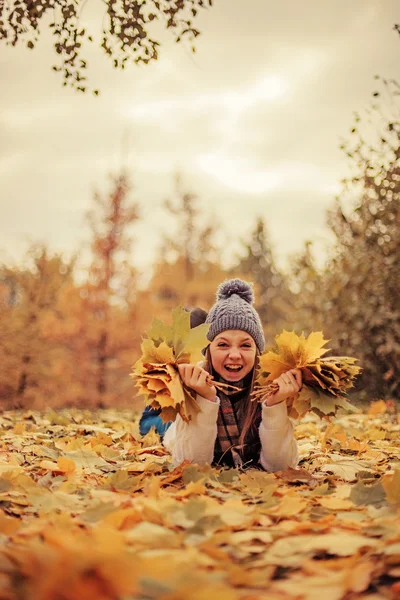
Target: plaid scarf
x,y
231,417
230,420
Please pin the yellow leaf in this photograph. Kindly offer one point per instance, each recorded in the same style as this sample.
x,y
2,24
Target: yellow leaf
x,y
156,355
194,487
101,438
19,428
156,372
288,507
335,503
156,385
151,535
151,439
164,400
312,348
294,351
195,341
290,346
49,465
274,364
391,485
291,550
180,327
250,535
325,380
124,518
235,513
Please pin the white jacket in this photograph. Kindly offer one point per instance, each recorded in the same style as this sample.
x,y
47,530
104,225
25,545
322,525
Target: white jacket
x,y
195,441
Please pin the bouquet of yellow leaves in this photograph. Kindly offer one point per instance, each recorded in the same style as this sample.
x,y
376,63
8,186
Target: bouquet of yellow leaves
x,y
325,380
156,372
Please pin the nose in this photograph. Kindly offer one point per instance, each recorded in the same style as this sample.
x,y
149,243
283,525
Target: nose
x,y
234,352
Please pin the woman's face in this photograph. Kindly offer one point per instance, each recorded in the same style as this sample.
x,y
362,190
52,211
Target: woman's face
x,y
233,354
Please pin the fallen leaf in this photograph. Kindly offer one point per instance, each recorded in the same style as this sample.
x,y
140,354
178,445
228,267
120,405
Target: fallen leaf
x,y
290,551
377,408
288,506
66,465
335,503
346,469
391,485
363,493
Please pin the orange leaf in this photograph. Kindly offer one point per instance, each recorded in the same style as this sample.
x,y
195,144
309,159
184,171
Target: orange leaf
x,y
66,465
377,408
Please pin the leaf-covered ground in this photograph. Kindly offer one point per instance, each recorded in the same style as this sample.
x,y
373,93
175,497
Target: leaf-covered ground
x,y
89,510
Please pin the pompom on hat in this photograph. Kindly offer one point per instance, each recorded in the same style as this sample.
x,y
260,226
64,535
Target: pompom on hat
x,y
234,310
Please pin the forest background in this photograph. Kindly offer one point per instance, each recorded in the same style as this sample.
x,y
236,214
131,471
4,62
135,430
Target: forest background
x,y
71,326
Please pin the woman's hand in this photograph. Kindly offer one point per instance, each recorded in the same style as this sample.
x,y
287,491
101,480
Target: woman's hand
x,y
196,378
289,384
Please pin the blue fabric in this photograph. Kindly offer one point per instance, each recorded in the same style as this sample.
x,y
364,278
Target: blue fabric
x,y
150,418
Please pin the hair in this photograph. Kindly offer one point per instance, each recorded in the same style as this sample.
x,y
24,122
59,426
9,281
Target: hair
x,y
198,316
250,407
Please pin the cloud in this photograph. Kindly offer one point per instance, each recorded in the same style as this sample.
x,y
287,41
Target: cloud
x,y
252,120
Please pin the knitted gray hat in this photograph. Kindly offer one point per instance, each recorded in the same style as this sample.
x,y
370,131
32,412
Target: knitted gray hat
x,y
234,310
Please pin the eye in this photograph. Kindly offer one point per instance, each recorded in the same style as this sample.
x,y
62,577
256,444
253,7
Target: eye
x,y
246,345
222,344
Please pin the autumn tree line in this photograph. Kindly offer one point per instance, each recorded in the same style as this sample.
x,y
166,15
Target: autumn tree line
x,y
68,340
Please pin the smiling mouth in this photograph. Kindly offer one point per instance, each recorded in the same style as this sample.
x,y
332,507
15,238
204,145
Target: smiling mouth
x,y
233,368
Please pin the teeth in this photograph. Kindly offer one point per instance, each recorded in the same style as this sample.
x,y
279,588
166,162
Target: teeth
x,y
233,367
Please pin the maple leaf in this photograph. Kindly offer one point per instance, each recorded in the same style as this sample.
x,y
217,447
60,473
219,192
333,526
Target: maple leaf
x,y
156,372
362,494
293,352
325,379
391,485
125,525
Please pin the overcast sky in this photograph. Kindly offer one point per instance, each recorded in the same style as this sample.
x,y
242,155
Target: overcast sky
x,y
253,121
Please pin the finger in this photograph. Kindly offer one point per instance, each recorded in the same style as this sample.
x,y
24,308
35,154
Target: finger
x,y
298,375
186,371
293,381
181,370
283,385
285,378
196,373
202,379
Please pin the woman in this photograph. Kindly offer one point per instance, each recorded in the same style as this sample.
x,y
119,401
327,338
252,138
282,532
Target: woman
x,y
231,429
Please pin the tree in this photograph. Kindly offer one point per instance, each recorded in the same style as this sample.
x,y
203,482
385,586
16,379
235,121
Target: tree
x,y
125,34
356,298
63,343
258,265
109,294
32,363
